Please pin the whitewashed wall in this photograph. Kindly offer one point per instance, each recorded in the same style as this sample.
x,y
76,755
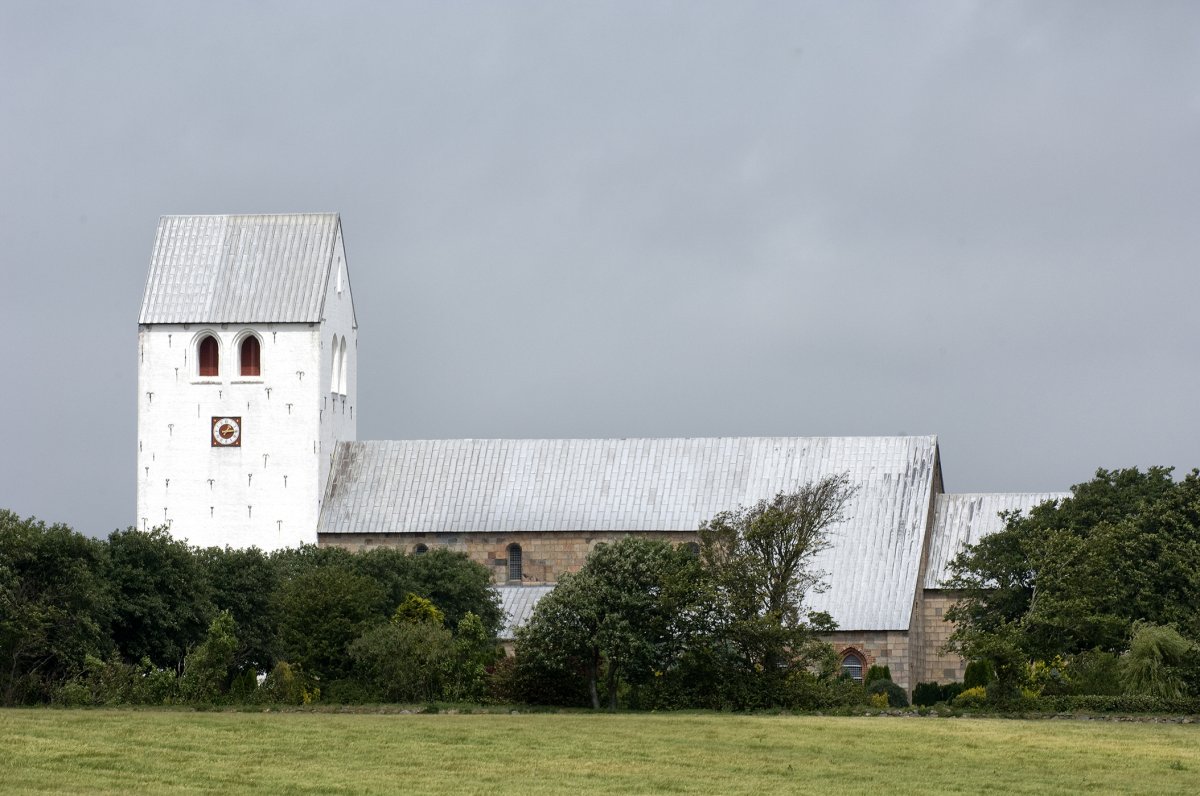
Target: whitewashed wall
x,y
267,492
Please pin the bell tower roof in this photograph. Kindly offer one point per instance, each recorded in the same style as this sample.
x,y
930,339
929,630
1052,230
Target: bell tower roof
x,y
242,269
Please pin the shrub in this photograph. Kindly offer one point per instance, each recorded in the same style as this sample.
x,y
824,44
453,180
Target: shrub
x,y
896,697
878,673
978,673
1152,664
403,662
1119,703
879,700
926,694
1095,672
972,698
287,684
206,669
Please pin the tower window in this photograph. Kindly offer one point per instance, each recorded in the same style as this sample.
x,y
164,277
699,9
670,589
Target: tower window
x,y
250,356
514,562
209,357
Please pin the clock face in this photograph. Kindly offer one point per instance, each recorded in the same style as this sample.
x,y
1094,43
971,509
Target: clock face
x,y
227,432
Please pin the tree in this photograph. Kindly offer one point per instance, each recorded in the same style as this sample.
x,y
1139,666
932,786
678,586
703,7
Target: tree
x,y
1076,576
243,582
625,615
55,607
207,669
162,602
321,611
760,559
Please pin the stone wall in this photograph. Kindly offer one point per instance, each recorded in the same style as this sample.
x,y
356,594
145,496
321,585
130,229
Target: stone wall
x,y
939,667
880,648
545,555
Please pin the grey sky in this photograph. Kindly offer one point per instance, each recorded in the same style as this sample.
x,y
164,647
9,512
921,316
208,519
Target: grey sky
x,y
631,219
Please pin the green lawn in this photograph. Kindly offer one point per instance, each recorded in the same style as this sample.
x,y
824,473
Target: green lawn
x,y
159,750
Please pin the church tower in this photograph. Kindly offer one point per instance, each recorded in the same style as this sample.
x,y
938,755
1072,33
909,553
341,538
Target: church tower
x,y
247,351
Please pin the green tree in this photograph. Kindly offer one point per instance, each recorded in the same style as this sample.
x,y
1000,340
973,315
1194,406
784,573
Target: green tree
x,y
321,611
208,669
625,615
760,559
55,606
1076,575
243,582
162,601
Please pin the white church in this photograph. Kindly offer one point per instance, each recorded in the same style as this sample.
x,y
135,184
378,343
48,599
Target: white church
x,y
247,384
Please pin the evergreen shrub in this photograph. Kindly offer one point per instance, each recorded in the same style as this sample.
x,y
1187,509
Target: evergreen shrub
x,y
896,697
978,674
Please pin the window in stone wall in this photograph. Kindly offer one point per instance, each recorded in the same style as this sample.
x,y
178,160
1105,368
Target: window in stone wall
x,y
852,665
514,562
692,549
420,550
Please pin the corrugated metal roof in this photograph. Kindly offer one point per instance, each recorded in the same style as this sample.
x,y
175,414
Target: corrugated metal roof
x,y
614,485
240,269
962,520
517,603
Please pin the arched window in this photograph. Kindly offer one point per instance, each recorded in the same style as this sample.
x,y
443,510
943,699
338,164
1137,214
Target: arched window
x,y
852,665
209,356
514,562
342,368
251,364
420,550
337,365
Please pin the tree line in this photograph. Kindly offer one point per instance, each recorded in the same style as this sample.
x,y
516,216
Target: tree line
x,y
143,617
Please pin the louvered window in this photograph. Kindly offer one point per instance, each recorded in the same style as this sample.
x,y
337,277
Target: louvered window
x,y
209,357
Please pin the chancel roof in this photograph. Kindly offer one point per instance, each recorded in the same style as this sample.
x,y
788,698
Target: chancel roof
x,y
627,485
240,269
962,520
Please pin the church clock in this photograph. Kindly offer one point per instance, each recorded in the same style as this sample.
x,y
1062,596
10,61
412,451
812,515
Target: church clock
x,y
226,432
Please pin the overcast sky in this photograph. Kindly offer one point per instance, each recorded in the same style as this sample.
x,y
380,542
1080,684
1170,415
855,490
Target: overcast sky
x,y
971,219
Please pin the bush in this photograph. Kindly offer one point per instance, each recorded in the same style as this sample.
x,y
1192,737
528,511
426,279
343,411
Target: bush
x,y
1153,664
403,662
878,673
206,669
1095,672
979,674
1119,703
896,697
926,694
287,684
972,698
114,682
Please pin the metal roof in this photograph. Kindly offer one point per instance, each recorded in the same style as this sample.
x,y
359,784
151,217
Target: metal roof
x,y
629,485
517,603
240,269
962,520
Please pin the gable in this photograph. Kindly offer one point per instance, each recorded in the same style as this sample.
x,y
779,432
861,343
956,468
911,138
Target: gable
x,y
240,269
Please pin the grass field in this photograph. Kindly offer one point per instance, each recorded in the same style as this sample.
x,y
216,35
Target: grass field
x,y
156,751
